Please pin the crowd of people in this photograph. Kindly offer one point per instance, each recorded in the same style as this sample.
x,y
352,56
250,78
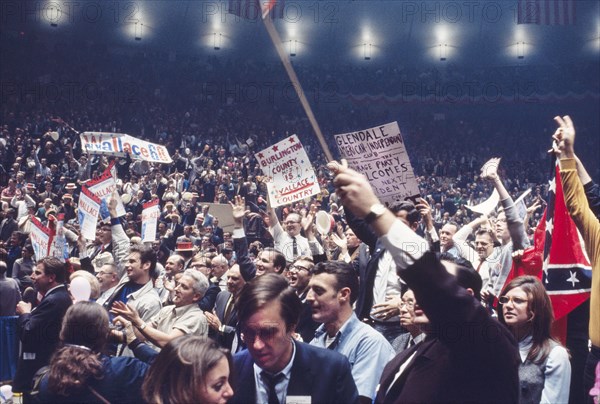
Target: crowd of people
x,y
405,303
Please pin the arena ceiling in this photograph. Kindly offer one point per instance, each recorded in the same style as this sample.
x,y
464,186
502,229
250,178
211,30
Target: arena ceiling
x,y
465,32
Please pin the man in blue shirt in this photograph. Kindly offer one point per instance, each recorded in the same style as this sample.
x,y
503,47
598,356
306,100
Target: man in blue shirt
x,y
333,289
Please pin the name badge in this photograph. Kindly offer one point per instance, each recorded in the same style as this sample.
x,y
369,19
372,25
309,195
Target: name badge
x,y
28,356
298,400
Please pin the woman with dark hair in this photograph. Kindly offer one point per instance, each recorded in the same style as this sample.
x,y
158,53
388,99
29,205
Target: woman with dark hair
x,y
545,371
189,369
79,372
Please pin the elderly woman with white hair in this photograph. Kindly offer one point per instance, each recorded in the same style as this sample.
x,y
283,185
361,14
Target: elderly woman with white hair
x,y
181,318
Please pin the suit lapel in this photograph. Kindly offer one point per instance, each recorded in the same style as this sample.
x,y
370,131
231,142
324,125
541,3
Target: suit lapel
x,y
301,380
424,353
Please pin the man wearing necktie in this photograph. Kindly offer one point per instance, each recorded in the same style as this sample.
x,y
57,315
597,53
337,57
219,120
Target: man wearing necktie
x,y
467,356
275,368
39,328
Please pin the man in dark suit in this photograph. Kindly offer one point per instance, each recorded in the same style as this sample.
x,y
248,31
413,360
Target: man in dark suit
x,y
467,356
224,319
8,225
286,370
39,328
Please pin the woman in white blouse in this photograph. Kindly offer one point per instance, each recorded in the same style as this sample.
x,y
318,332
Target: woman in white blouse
x,y
545,370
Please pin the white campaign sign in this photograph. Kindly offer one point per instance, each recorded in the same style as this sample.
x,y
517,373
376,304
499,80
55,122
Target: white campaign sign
x,y
290,175
89,208
150,216
379,153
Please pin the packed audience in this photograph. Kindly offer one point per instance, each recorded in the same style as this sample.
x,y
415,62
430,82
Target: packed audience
x,y
273,306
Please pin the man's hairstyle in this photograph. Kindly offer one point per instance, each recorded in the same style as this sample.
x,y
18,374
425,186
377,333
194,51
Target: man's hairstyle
x,y
3,267
146,255
53,266
466,276
263,291
412,214
200,284
484,231
345,276
279,260
180,261
453,223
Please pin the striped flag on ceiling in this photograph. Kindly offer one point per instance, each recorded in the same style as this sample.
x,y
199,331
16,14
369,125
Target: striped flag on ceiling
x,y
547,12
255,9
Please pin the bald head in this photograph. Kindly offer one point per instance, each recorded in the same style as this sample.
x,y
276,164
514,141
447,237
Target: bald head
x,y
219,265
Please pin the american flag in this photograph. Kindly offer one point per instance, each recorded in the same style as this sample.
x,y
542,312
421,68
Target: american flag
x,y
255,9
547,12
566,271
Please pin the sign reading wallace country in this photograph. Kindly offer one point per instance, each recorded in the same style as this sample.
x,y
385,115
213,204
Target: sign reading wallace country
x,y
120,144
289,173
379,153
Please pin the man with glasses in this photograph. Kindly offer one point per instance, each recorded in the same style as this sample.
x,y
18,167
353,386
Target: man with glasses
x,y
413,319
332,291
288,241
275,368
108,278
299,275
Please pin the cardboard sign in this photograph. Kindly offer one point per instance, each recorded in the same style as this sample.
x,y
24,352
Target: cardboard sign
x,y
103,188
88,210
289,173
379,153
41,237
150,216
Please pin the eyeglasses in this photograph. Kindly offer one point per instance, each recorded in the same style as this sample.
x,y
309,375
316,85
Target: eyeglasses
x,y
515,300
264,334
296,267
409,303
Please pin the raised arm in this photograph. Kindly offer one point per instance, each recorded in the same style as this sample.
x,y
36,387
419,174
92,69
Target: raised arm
x,y
240,244
518,236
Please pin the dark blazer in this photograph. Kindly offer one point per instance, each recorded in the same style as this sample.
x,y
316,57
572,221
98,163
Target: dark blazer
x,y
468,357
38,332
207,303
324,375
226,338
7,227
367,265
306,325
247,266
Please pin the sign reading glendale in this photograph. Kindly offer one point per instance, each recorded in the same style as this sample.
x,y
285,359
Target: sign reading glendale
x,y
119,144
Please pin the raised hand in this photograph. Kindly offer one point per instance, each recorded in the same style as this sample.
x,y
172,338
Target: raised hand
x,y
564,137
238,210
489,171
425,210
127,312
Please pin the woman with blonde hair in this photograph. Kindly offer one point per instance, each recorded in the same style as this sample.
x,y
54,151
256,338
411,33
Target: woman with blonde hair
x,y
545,370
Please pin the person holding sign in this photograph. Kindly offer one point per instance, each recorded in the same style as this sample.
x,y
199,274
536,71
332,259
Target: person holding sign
x,y
467,365
289,240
